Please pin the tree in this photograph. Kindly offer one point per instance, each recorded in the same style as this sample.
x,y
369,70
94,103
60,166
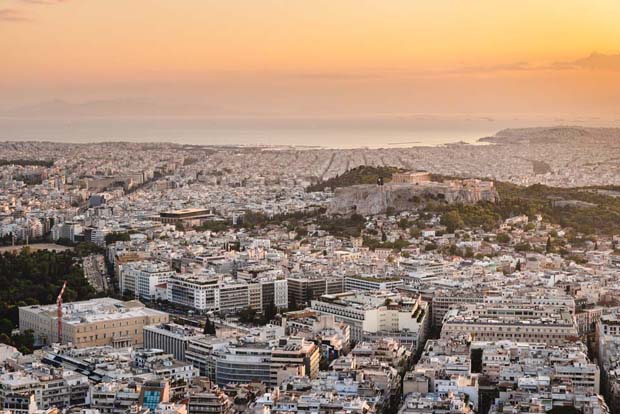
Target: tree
x,y
209,328
116,236
364,174
269,312
24,342
214,226
86,249
503,238
5,339
452,220
548,246
523,247
518,266
35,277
247,315
403,223
6,326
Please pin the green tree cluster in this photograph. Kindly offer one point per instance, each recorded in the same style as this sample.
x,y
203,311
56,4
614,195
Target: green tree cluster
x,y
247,315
363,174
35,277
116,236
25,163
343,226
600,216
452,220
214,226
209,328
373,244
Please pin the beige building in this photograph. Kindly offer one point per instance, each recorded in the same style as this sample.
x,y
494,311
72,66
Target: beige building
x,y
96,322
411,177
552,325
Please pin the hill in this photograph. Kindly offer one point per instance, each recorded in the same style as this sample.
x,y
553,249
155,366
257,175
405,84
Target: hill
x,y
559,135
364,174
588,210
371,199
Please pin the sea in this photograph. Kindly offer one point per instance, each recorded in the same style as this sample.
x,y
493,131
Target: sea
x,y
324,132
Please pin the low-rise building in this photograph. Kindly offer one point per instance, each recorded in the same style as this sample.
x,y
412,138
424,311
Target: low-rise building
x,y
523,322
372,315
95,322
171,338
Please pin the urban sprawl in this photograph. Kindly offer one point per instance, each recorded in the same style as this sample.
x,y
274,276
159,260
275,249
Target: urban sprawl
x,y
221,280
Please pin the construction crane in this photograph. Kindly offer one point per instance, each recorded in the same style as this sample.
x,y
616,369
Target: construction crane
x,y
59,306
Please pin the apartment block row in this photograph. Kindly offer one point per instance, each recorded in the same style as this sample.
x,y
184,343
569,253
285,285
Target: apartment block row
x,y
202,292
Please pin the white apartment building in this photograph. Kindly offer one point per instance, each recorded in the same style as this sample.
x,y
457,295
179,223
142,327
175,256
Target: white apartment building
x,y
141,278
508,361
369,314
213,293
52,387
444,300
369,283
609,325
271,363
542,298
194,291
273,291
526,322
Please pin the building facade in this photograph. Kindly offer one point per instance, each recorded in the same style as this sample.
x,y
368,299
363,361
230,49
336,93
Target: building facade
x,y
96,322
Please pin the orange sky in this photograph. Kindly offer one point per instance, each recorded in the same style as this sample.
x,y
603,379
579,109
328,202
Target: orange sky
x,y
292,57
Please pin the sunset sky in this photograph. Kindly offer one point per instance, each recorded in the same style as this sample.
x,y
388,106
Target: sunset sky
x,y
319,57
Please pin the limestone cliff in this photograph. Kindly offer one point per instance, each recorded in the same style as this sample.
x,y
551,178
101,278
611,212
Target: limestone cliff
x,y
374,199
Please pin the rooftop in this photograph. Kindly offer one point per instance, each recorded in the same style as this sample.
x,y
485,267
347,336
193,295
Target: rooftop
x,y
95,310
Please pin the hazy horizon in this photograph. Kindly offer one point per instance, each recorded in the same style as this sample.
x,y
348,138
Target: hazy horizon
x,y
78,62
377,132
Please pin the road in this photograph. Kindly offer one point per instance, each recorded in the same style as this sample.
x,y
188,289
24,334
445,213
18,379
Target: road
x,y
95,272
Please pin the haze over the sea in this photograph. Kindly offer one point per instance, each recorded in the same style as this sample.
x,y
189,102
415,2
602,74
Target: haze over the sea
x,y
374,132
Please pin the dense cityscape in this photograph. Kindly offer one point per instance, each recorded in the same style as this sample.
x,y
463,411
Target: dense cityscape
x,y
178,279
